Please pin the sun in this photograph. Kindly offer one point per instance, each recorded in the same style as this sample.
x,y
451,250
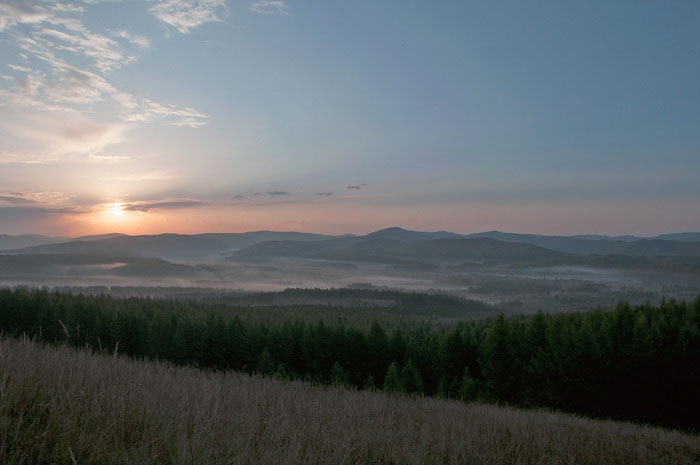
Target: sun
x,y
116,209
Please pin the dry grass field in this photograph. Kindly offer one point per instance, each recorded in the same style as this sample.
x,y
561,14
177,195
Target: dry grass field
x,y
66,407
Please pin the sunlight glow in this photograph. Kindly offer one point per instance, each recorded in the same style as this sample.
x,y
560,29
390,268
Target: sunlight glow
x,y
116,209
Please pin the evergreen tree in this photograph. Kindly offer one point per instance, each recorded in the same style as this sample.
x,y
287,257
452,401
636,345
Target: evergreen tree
x,y
468,390
265,365
392,380
369,384
499,366
338,376
411,379
378,348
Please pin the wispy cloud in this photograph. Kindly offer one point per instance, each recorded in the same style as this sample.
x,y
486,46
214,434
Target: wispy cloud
x,y
42,197
19,68
139,177
355,187
185,15
180,116
57,134
139,41
69,34
109,158
65,68
13,13
325,194
269,7
273,193
170,204
15,199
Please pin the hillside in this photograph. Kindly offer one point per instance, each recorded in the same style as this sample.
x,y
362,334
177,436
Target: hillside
x,y
392,257
686,244
168,246
63,406
9,242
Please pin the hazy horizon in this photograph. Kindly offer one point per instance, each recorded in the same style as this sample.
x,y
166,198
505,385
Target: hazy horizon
x,y
361,233
194,116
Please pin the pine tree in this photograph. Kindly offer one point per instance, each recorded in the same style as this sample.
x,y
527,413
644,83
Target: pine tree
x,y
338,376
411,379
265,365
392,380
378,348
369,384
467,387
537,333
499,362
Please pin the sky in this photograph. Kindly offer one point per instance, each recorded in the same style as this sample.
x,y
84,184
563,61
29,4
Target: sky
x,y
190,116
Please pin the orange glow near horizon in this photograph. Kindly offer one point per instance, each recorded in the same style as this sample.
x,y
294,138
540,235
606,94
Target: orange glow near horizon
x,y
117,209
341,218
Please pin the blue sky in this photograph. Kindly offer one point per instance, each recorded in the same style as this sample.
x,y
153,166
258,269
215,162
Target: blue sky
x,y
212,115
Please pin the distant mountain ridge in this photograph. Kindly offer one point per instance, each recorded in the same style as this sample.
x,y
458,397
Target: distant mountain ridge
x,y
604,245
390,245
166,246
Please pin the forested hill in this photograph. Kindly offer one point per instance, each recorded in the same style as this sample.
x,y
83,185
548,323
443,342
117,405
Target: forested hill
x,y
342,301
634,363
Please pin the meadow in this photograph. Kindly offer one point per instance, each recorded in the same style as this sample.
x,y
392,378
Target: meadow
x,y
629,363
69,406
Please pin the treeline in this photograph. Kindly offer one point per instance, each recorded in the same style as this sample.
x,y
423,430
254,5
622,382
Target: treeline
x,y
410,303
640,363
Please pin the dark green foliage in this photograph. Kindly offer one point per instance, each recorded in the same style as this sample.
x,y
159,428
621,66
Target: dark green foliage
x,y
369,383
338,376
468,390
392,381
640,364
411,379
265,365
500,366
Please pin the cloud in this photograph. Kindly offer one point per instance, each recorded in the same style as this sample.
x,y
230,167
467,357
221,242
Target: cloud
x,y
65,69
28,84
139,41
52,135
19,68
325,194
356,187
239,196
79,86
37,211
184,15
88,137
75,38
15,199
139,177
44,197
273,193
13,13
269,7
173,204
179,116
190,122
109,158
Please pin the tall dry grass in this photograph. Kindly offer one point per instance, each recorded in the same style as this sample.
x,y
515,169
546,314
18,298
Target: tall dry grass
x,y
62,406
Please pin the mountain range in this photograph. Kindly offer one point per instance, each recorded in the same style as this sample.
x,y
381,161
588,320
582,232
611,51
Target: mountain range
x,y
170,254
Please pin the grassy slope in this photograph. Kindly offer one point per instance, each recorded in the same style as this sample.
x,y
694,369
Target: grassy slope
x,y
55,401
